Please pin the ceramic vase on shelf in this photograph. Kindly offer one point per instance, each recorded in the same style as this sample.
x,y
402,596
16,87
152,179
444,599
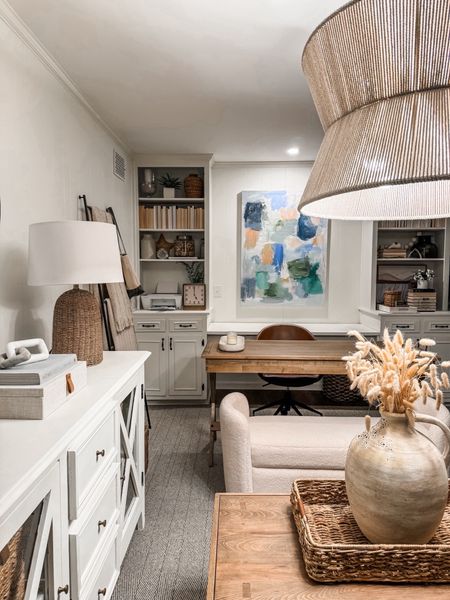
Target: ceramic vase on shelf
x,y
397,481
422,284
168,193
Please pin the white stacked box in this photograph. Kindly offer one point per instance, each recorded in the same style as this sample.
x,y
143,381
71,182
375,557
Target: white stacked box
x,y
45,387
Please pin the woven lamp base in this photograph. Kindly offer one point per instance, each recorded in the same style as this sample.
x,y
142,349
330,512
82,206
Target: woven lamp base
x,y
77,326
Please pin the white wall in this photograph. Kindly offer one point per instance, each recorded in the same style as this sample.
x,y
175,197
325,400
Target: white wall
x,y
51,149
228,180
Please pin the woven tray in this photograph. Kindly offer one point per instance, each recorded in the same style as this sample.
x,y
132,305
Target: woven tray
x,y
334,549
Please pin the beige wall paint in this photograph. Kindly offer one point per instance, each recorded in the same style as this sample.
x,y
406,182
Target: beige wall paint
x,y
228,180
52,148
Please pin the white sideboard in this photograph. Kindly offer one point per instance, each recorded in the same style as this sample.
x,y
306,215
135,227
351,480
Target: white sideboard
x,y
76,480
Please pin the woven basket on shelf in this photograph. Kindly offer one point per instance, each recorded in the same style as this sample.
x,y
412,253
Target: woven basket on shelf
x,y
391,297
12,569
336,388
193,186
334,549
77,326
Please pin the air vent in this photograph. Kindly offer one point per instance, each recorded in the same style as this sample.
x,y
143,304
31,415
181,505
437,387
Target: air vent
x,y
119,165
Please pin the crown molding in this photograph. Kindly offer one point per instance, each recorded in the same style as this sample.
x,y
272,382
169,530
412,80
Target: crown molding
x,y
24,33
263,163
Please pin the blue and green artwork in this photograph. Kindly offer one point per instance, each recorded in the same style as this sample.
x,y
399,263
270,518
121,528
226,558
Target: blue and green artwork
x,y
283,254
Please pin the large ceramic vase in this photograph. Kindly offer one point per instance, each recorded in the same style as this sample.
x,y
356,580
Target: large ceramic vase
x,y
397,482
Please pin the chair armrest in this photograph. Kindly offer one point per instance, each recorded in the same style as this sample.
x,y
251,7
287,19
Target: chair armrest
x,y
235,436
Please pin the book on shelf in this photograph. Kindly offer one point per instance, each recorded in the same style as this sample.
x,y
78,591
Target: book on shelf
x,y
171,217
418,224
37,373
397,309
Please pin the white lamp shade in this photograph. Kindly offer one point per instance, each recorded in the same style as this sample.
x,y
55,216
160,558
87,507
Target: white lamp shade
x,y
73,252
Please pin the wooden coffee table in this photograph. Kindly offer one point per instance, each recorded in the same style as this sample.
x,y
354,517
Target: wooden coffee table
x,y
255,555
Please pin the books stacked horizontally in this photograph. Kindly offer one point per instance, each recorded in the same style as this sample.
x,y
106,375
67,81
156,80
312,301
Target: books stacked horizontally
x,y
423,300
35,390
392,253
397,309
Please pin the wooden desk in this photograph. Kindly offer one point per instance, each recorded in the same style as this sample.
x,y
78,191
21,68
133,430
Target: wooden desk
x,y
255,554
287,357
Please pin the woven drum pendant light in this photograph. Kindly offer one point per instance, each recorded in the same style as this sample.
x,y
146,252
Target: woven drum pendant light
x,y
379,73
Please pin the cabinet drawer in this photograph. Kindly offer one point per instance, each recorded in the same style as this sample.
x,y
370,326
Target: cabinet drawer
x,y
405,324
437,325
88,461
150,325
186,325
103,585
87,538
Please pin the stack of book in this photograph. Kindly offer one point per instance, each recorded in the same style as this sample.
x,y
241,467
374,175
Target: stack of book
x,y
423,300
397,309
392,253
35,390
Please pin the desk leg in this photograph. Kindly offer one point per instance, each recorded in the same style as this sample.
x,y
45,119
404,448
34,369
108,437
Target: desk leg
x,y
213,415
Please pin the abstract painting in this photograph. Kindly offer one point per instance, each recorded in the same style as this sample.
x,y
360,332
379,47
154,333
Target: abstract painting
x,y
283,253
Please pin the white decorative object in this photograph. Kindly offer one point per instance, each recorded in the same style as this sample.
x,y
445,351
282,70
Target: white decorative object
x,y
148,246
168,193
231,338
422,284
38,343
238,346
39,401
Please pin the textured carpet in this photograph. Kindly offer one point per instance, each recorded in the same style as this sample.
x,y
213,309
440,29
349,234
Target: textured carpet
x,y
168,560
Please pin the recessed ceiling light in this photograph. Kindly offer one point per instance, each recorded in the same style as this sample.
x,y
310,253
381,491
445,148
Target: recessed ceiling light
x,y
292,151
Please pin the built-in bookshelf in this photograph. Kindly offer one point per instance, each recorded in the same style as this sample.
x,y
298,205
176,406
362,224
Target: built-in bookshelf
x,y
403,248
173,220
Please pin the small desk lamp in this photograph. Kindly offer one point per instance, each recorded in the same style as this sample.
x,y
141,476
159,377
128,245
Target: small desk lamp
x,y
75,253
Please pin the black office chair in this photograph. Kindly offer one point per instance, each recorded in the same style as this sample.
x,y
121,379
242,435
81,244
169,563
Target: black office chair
x,y
287,332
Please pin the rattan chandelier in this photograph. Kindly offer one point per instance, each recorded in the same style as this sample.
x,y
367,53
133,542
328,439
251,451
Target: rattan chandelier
x,y
379,73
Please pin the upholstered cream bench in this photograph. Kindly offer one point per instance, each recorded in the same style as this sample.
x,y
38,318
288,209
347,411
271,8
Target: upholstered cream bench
x,y
266,453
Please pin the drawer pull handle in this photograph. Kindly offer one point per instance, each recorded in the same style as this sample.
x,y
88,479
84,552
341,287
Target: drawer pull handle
x,y
101,524
149,325
184,325
63,590
162,344
101,592
171,345
438,326
400,326
99,453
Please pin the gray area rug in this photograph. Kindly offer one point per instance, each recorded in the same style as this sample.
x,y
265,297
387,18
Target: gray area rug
x,y
168,560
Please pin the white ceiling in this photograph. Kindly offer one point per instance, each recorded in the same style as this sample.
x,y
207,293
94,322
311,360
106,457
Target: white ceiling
x,y
197,76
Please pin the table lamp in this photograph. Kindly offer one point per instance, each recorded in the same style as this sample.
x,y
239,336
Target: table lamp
x,y
75,253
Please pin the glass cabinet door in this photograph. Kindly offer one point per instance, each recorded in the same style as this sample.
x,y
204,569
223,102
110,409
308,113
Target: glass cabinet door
x,y
31,559
131,456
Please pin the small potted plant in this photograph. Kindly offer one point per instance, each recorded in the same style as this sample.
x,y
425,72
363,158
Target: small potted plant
x,y
424,279
169,184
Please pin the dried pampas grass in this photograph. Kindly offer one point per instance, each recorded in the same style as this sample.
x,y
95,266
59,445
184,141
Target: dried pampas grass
x,y
394,376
